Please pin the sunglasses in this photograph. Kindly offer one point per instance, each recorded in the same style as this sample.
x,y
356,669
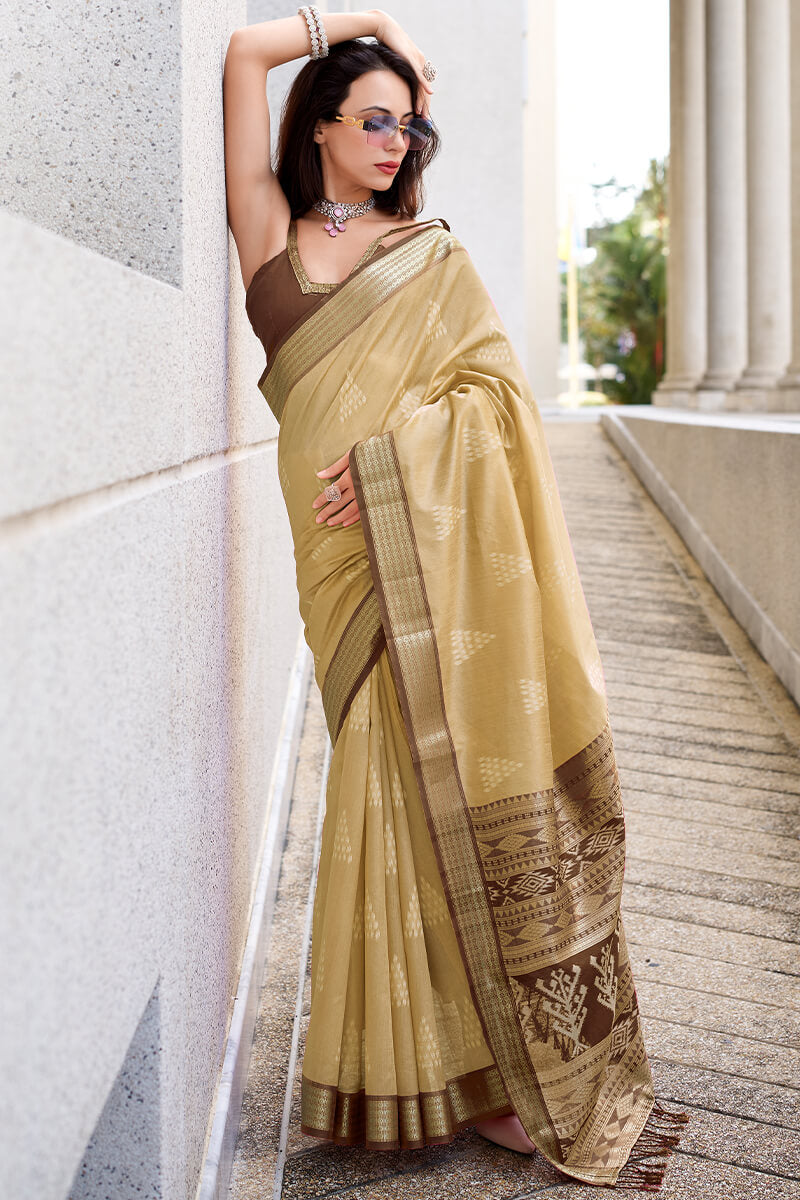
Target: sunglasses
x,y
381,128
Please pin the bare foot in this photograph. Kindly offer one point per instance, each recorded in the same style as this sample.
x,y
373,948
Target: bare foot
x,y
508,1132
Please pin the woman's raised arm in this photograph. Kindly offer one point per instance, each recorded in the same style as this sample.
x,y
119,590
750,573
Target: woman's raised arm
x,y
258,211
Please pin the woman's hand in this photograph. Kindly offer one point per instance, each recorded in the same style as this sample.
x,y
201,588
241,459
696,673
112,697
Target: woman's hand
x,y
390,33
344,511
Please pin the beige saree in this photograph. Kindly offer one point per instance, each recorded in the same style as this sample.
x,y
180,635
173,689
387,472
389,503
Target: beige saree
x,y
468,957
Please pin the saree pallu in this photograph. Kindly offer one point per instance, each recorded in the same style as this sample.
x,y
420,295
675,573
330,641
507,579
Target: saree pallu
x,y
468,954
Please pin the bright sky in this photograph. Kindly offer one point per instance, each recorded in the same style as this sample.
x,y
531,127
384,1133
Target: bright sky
x,y
612,97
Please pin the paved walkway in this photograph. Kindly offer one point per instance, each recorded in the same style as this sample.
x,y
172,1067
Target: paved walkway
x,y
707,745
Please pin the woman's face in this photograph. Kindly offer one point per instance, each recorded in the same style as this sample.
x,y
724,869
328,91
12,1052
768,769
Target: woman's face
x,y
348,160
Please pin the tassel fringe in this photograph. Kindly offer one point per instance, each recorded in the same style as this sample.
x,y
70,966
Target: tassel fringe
x,y
660,1136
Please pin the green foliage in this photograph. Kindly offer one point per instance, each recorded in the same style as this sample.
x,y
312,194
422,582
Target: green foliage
x,y
622,294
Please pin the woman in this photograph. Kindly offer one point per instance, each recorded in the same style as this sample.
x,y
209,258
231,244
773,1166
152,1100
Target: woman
x,y
469,964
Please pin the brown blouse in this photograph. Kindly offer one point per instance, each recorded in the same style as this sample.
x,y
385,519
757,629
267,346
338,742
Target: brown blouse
x,y
280,292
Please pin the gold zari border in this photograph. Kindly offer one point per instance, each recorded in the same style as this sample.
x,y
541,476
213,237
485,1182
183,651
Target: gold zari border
x,y
357,651
401,1122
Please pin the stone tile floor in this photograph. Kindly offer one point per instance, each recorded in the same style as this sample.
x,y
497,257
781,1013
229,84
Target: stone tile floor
x,y
708,749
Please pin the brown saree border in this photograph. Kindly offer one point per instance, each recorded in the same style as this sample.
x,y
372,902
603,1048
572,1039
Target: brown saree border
x,y
357,652
401,1122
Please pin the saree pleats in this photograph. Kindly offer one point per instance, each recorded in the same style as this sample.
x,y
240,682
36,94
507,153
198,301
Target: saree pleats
x,y
469,956
395,1055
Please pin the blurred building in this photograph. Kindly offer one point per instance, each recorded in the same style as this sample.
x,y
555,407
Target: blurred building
x,y
719,449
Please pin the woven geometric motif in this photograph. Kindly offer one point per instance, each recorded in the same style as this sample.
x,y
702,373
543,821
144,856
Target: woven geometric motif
x,y
433,906
554,576
430,1057
396,789
534,695
598,843
446,517
413,921
552,655
494,770
358,923
351,1056
357,569
553,1010
521,887
434,325
508,567
596,676
371,925
342,849
283,477
358,716
319,974
606,977
466,642
397,984
374,797
322,547
390,850
496,346
478,442
409,402
351,398
622,1034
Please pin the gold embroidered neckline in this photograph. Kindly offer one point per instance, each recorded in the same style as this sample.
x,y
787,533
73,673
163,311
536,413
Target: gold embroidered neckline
x,y
308,285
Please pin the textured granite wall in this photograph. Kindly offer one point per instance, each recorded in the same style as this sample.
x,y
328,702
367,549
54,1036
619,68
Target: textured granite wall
x,y
147,597
92,126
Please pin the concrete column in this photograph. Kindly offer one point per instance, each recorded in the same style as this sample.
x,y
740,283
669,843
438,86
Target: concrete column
x,y
686,200
725,201
768,223
788,397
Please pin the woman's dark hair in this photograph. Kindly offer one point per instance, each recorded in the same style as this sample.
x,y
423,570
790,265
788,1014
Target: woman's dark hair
x,y
318,92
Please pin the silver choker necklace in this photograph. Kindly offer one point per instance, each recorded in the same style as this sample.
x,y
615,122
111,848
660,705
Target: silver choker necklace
x,y
339,213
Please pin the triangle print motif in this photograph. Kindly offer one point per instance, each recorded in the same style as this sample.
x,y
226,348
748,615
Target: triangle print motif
x,y
495,770
508,567
342,849
283,477
351,397
496,345
397,984
434,325
434,907
466,642
478,442
534,695
409,402
446,517
374,797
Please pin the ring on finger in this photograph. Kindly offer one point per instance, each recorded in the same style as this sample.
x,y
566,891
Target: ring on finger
x,y
332,492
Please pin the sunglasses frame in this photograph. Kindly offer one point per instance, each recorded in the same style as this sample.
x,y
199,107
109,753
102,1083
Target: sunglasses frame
x,y
360,121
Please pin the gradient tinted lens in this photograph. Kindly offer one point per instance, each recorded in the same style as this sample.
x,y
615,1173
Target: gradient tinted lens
x,y
381,129
419,130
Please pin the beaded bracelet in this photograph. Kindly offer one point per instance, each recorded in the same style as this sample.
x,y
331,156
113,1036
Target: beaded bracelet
x,y
316,30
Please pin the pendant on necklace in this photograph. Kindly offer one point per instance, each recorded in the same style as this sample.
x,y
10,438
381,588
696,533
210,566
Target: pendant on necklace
x,y
336,224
